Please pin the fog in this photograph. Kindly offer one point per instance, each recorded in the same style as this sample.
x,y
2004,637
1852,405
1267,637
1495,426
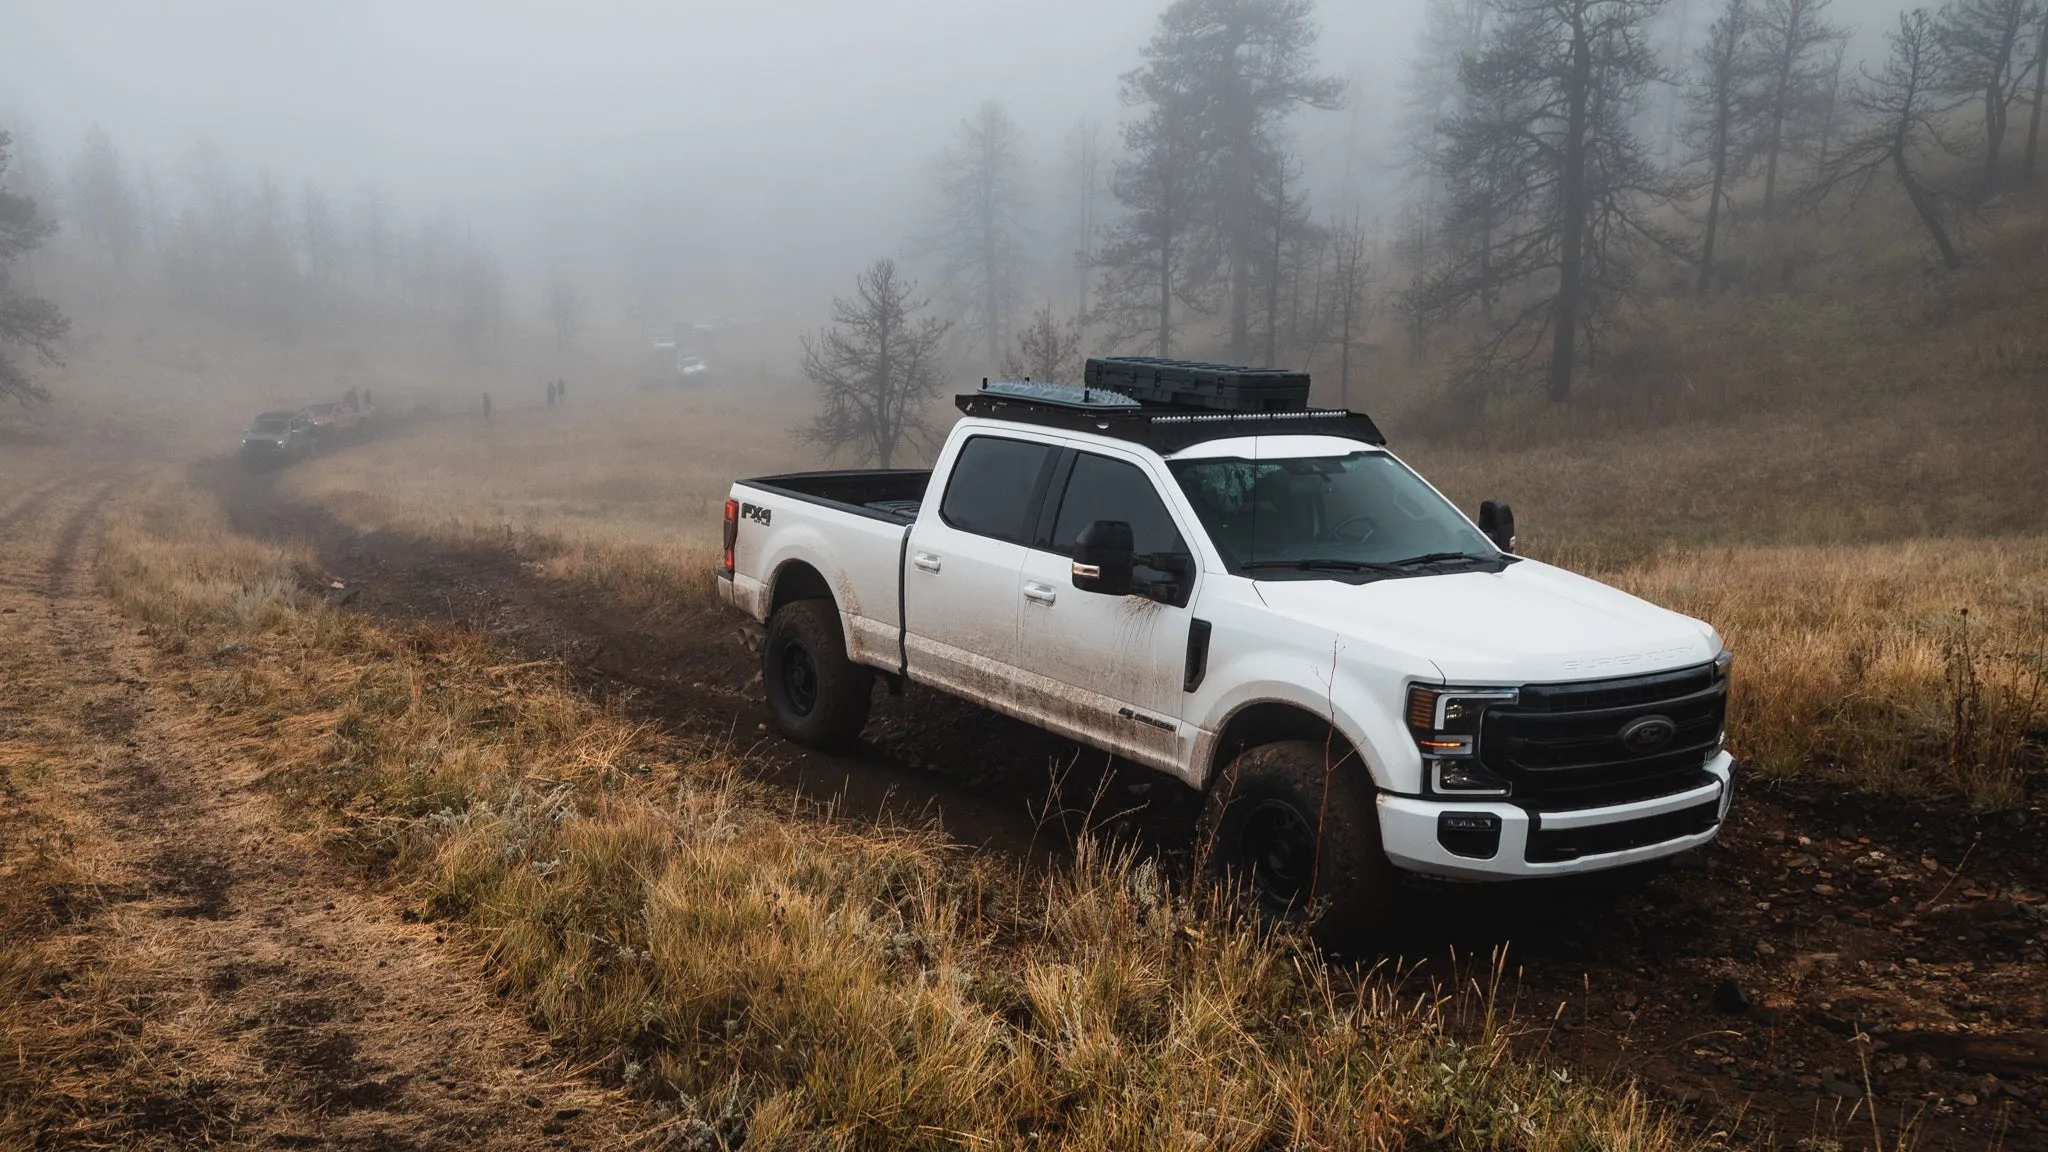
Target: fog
x,y
773,148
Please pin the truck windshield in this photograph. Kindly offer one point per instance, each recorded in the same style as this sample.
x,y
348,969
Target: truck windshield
x,y
1323,515
271,424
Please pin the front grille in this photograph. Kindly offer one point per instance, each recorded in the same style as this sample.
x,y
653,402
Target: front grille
x,y
1560,746
1571,844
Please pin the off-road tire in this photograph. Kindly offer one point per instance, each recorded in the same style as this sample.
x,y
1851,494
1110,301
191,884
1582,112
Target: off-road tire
x,y
1338,872
816,695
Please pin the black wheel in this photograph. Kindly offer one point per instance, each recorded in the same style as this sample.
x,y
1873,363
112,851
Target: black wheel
x,y
817,696
1302,836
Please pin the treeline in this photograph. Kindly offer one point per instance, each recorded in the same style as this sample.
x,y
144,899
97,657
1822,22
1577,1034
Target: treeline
x,y
1564,159
288,261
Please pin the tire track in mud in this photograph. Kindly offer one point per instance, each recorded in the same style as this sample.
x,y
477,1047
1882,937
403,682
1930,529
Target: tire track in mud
x,y
27,506
271,1000
58,569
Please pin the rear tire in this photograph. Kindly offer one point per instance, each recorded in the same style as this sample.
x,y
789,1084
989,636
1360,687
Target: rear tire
x,y
816,695
1301,836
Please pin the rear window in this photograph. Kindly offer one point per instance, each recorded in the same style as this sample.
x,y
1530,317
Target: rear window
x,y
993,485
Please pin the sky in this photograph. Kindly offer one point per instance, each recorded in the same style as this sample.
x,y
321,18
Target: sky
x,y
806,127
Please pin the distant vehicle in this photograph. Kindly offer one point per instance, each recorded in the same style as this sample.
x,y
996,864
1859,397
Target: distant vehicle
x,y
1187,566
276,438
332,422
676,356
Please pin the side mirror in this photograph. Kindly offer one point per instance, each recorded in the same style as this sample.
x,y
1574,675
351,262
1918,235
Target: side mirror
x,y
1497,520
1103,558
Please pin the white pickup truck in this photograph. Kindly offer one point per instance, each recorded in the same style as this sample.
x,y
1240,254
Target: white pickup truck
x,y
1268,606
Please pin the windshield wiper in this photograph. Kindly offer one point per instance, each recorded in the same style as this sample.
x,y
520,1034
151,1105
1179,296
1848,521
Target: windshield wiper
x,y
1442,558
1332,565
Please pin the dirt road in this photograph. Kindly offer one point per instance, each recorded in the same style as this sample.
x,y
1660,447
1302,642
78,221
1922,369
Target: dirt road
x,y
1831,955
221,979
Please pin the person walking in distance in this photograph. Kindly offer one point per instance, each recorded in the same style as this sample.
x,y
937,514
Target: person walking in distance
x,y
551,395
487,405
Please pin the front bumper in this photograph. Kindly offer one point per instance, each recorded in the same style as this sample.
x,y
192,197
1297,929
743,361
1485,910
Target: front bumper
x,y
1409,831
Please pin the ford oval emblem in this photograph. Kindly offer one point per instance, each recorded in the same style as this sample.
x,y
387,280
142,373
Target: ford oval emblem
x,y
1646,734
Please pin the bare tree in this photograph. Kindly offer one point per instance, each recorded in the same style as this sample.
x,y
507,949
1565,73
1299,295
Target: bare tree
x,y
1552,179
1432,96
1283,217
1901,110
1717,94
1087,172
1829,101
1790,43
1047,349
875,368
103,201
1351,298
319,236
1681,42
1981,42
565,309
373,222
979,239
28,321
479,295
2040,91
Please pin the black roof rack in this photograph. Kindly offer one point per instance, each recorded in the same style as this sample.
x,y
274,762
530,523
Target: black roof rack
x,y
1165,428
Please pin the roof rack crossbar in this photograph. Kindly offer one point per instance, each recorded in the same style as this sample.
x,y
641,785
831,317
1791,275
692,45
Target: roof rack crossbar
x,y
1164,428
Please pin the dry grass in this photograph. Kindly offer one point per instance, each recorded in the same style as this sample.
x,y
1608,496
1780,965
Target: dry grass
x,y
815,982
1910,669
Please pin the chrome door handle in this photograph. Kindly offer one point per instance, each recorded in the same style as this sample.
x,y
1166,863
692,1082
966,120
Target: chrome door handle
x,y
926,561
1043,593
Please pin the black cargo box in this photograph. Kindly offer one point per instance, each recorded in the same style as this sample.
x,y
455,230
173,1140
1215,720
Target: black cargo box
x,y
1214,387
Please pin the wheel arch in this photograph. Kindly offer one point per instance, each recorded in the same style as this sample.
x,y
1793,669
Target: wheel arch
x,y
798,580
1265,722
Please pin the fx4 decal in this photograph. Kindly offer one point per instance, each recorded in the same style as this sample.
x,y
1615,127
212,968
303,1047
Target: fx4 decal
x,y
756,513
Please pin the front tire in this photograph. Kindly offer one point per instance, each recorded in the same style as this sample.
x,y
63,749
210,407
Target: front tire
x,y
816,695
1301,835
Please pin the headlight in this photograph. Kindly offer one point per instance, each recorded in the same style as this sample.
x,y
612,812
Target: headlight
x,y
1445,724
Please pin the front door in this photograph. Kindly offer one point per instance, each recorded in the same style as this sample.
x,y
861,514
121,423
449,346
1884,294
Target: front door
x,y
960,577
1106,669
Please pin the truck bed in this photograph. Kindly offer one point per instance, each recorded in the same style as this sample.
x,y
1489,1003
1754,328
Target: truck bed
x,y
892,494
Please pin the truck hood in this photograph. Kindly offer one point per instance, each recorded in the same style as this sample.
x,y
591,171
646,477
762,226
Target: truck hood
x,y
1530,623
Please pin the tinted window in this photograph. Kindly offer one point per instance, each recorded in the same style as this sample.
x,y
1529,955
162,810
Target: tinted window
x,y
1105,489
992,485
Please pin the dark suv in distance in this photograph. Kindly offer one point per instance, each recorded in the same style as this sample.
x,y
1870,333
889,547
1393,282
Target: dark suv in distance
x,y
276,438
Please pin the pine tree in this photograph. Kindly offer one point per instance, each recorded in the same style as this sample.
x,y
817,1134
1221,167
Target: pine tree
x,y
104,201
27,321
1552,184
979,238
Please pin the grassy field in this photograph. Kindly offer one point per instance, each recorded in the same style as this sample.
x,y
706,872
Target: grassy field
x,y
822,983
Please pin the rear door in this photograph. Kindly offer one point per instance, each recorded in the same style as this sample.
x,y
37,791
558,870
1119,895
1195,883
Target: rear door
x,y
1106,669
965,553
